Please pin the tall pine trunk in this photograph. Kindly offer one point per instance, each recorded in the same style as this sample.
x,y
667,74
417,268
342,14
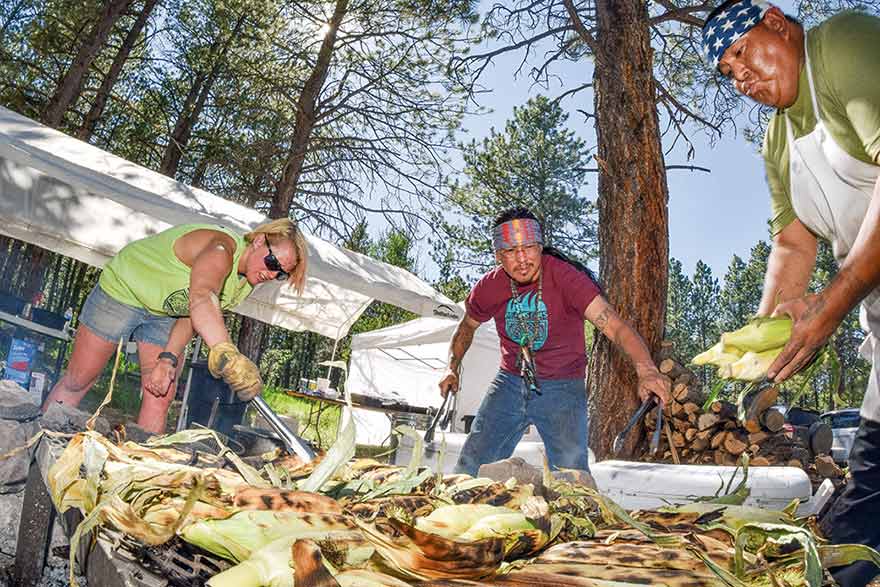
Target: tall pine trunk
x,y
306,116
252,332
97,110
633,216
70,86
195,102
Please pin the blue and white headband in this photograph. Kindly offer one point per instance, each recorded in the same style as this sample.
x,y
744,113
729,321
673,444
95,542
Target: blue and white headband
x,y
726,27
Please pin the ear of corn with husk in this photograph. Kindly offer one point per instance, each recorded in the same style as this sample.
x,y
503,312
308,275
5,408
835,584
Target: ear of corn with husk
x,y
746,354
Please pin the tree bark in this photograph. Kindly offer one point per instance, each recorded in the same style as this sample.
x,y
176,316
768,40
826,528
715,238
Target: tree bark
x,y
632,204
195,103
305,117
97,110
70,86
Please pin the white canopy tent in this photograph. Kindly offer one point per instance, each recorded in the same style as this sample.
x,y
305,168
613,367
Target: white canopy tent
x,y
406,361
72,198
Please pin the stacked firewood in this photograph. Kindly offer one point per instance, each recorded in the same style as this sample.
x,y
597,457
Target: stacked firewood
x,y
718,437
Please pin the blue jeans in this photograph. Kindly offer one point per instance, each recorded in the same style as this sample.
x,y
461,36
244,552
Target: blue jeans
x,y
559,414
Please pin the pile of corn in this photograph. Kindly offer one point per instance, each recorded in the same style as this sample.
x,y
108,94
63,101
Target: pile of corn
x,y
369,524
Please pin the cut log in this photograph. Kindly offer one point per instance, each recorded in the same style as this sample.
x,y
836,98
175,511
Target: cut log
x,y
678,439
772,420
701,440
758,437
718,439
760,462
706,421
681,425
725,410
734,444
756,405
690,434
692,408
688,391
725,459
672,368
821,438
676,409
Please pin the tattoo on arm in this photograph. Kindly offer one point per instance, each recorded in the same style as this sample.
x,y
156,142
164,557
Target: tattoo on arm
x,y
601,320
461,342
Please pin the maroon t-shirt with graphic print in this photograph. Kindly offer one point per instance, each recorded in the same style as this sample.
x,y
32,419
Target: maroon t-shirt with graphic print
x,y
559,331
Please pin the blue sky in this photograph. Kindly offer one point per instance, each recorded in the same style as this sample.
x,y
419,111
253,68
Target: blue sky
x,y
712,216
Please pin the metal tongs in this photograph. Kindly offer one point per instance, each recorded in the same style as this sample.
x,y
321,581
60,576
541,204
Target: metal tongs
x,y
527,369
655,438
293,443
442,416
620,439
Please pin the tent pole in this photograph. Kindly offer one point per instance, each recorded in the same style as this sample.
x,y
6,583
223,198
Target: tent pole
x,y
332,356
184,406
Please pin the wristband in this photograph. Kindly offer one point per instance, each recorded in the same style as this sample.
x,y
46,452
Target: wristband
x,y
170,356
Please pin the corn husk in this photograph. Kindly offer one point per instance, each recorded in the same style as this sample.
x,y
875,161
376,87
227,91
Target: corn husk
x,y
718,355
751,366
272,565
238,536
759,335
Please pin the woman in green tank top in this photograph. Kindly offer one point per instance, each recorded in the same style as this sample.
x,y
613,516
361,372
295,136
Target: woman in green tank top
x,y
160,290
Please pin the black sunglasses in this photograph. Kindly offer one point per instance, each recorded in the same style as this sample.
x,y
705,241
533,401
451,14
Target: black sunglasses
x,y
272,264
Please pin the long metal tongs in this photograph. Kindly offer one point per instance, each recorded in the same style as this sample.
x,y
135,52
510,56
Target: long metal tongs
x,y
293,443
444,413
620,439
655,438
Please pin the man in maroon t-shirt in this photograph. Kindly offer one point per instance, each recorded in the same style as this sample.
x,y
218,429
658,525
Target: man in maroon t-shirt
x,y
539,301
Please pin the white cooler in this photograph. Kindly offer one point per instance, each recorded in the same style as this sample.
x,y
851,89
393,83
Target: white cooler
x,y
652,485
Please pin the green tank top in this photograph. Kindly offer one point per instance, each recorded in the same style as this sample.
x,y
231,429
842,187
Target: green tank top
x,y
147,274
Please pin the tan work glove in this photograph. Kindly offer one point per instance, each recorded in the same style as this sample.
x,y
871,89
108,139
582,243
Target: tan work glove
x,y
237,370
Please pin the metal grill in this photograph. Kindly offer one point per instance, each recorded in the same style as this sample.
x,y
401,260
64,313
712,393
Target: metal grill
x,y
180,564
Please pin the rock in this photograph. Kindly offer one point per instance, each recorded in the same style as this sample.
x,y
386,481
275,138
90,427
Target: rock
x,y
575,476
514,467
17,403
14,470
64,418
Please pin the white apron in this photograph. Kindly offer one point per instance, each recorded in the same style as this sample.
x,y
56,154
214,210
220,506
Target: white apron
x,y
830,193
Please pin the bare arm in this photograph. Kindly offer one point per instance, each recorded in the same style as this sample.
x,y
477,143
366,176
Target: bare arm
x,y
163,374
461,342
609,322
817,316
210,255
181,333
789,267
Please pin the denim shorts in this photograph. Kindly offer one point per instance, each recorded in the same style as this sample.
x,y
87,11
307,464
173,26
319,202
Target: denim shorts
x,y
112,320
559,413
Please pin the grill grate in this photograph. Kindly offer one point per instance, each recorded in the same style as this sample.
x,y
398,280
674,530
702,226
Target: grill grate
x,y
176,561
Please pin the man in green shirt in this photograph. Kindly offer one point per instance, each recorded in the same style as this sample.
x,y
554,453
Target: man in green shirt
x,y
161,289
822,156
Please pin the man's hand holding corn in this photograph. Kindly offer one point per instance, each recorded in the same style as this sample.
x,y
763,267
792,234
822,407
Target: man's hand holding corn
x,y
237,370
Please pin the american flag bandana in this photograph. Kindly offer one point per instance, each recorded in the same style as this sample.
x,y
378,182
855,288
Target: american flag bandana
x,y
517,232
726,27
